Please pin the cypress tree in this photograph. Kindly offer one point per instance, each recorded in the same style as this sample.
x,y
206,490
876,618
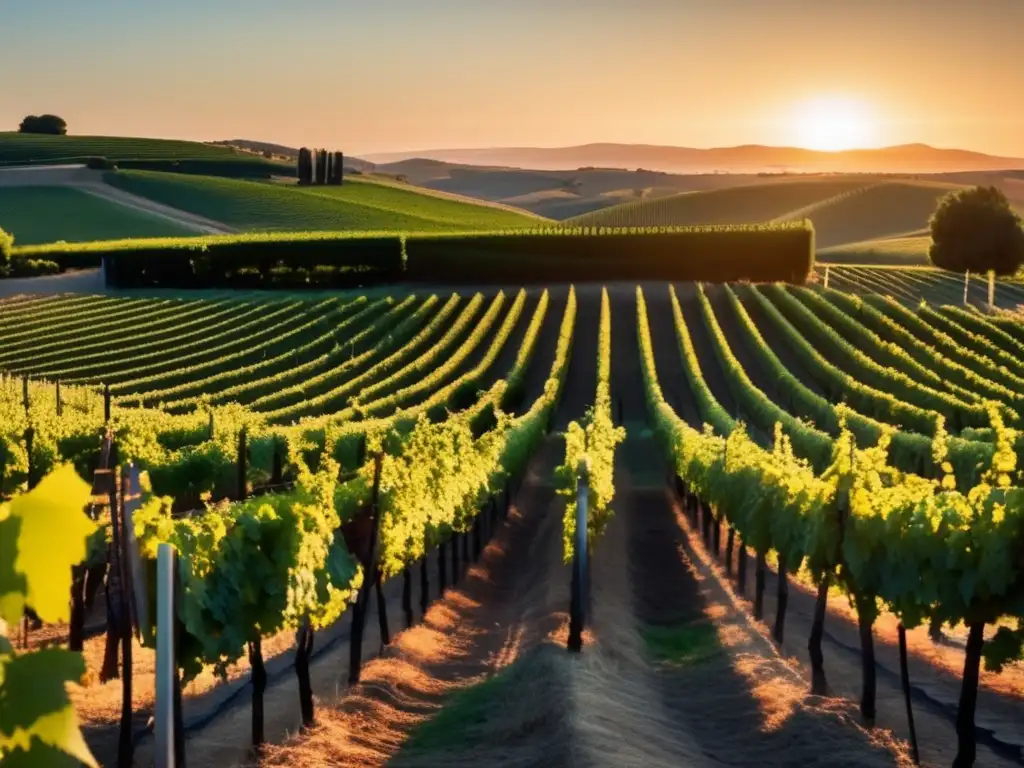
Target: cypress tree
x,y
321,168
305,166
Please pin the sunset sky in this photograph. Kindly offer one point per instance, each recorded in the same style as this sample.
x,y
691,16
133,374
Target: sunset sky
x,y
383,75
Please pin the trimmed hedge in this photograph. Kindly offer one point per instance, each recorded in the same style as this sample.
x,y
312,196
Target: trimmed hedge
x,y
22,267
715,254
246,262
759,253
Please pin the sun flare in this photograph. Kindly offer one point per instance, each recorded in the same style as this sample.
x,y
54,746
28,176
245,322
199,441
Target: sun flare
x,y
834,123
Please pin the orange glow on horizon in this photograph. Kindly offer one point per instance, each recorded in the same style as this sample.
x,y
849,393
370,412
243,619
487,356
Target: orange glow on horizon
x,y
835,123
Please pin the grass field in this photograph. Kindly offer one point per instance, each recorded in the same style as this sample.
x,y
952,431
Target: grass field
x,y
23,148
36,215
254,206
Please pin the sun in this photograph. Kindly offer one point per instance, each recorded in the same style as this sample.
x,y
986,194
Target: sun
x,y
834,123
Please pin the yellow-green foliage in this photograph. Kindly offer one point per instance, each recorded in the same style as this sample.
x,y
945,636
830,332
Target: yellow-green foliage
x,y
43,534
590,448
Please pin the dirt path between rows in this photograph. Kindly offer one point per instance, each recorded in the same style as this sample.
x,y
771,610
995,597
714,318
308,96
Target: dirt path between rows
x,y
720,692
934,690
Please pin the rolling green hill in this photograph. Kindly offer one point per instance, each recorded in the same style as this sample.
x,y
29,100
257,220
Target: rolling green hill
x,y
363,205
894,208
29,147
36,215
863,218
127,152
753,203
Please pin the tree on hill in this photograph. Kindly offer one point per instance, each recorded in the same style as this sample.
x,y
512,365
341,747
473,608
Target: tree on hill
x,y
976,230
305,166
46,124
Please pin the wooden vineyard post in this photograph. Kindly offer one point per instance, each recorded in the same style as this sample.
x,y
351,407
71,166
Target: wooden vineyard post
x,y
424,586
578,602
259,687
115,603
782,600
819,684
60,401
106,403
716,534
24,393
991,290
382,611
825,283
466,553
76,623
369,580
905,680
759,575
967,281
729,544
125,747
741,569
303,650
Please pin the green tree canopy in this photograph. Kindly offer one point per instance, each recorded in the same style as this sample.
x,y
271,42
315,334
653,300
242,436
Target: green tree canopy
x,y
977,230
48,124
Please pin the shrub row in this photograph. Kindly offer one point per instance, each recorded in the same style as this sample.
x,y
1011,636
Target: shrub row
x,y
715,254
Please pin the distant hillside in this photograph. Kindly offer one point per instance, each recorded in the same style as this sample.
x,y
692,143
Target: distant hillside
x,y
292,153
128,152
745,204
554,194
890,209
908,158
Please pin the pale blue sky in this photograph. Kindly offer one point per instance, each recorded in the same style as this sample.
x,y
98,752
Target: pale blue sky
x,y
397,74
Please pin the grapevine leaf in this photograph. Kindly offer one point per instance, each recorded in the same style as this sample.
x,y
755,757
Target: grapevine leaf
x,y
35,707
12,583
53,537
